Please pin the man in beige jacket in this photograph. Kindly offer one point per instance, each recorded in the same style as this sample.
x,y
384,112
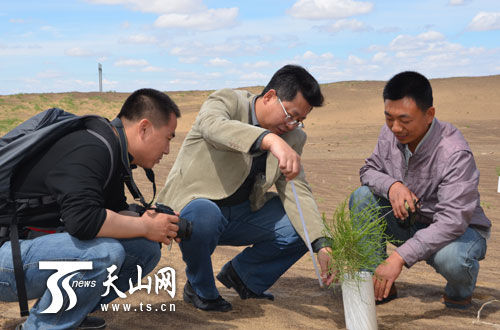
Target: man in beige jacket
x,y
239,146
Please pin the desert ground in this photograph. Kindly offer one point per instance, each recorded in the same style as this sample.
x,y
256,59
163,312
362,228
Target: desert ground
x,y
341,135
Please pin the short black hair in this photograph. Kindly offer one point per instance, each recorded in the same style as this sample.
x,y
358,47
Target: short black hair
x,y
291,79
149,103
410,84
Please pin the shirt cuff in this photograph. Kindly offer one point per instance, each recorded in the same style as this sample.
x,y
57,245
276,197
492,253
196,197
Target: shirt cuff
x,y
255,148
319,243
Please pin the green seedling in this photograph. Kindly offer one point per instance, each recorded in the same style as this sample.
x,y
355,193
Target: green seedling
x,y
357,240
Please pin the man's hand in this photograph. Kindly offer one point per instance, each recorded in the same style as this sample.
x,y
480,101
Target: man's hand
x,y
288,159
160,227
324,260
385,275
398,195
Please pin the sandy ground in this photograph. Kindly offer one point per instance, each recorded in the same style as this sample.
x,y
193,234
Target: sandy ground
x,y
340,136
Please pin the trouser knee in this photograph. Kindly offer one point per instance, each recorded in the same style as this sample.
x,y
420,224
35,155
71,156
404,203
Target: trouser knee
x,y
206,217
456,269
106,252
360,198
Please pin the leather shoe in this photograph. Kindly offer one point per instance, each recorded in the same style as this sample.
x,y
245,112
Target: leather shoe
x,y
393,294
460,304
218,304
230,279
92,322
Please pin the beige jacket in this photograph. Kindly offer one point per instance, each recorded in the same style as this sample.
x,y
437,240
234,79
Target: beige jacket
x,y
214,161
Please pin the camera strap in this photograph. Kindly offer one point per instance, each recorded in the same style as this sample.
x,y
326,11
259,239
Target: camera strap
x,y
127,177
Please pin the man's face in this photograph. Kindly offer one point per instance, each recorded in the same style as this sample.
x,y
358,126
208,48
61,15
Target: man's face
x,y
408,123
275,118
155,142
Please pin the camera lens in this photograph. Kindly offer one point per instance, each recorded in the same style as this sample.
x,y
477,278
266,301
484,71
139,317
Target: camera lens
x,y
185,229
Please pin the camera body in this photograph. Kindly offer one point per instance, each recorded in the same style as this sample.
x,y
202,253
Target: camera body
x,y
185,226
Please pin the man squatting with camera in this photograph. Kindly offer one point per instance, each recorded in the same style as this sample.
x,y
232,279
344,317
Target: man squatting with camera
x,y
239,146
426,164
97,226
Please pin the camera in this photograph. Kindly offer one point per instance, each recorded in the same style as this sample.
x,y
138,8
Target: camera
x,y
185,226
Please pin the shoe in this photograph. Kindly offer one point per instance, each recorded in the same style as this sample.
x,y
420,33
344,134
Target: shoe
x,y
230,279
218,304
459,304
393,294
89,322
92,322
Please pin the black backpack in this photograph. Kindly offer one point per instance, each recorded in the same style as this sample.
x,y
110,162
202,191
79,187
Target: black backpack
x,y
29,138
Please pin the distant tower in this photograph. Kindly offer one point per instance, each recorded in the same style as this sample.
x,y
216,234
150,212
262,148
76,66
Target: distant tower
x,y
100,77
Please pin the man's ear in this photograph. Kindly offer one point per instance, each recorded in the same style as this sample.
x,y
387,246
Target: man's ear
x,y
269,96
144,128
429,115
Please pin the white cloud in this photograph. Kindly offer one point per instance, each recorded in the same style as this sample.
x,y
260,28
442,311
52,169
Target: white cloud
x,y
153,69
17,20
354,60
254,77
188,60
78,52
191,14
430,53
456,2
49,28
109,83
196,48
326,9
419,43
131,62
140,39
49,74
485,21
211,19
380,57
258,64
311,56
155,6
219,62
346,24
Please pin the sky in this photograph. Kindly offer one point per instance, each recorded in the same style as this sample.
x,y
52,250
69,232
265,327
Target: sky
x,y
170,45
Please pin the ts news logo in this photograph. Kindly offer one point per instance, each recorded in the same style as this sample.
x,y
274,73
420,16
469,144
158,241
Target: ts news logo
x,y
64,268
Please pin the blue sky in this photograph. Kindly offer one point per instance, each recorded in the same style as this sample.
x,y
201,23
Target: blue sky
x,y
55,46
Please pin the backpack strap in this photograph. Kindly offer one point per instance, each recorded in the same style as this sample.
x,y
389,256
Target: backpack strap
x,y
128,178
18,265
106,143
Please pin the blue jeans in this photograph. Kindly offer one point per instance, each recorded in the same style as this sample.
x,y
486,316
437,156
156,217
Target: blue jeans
x,y
126,254
276,246
457,262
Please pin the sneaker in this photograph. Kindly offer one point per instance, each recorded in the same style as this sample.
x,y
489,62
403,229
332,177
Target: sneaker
x,y
230,279
218,304
459,304
92,322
